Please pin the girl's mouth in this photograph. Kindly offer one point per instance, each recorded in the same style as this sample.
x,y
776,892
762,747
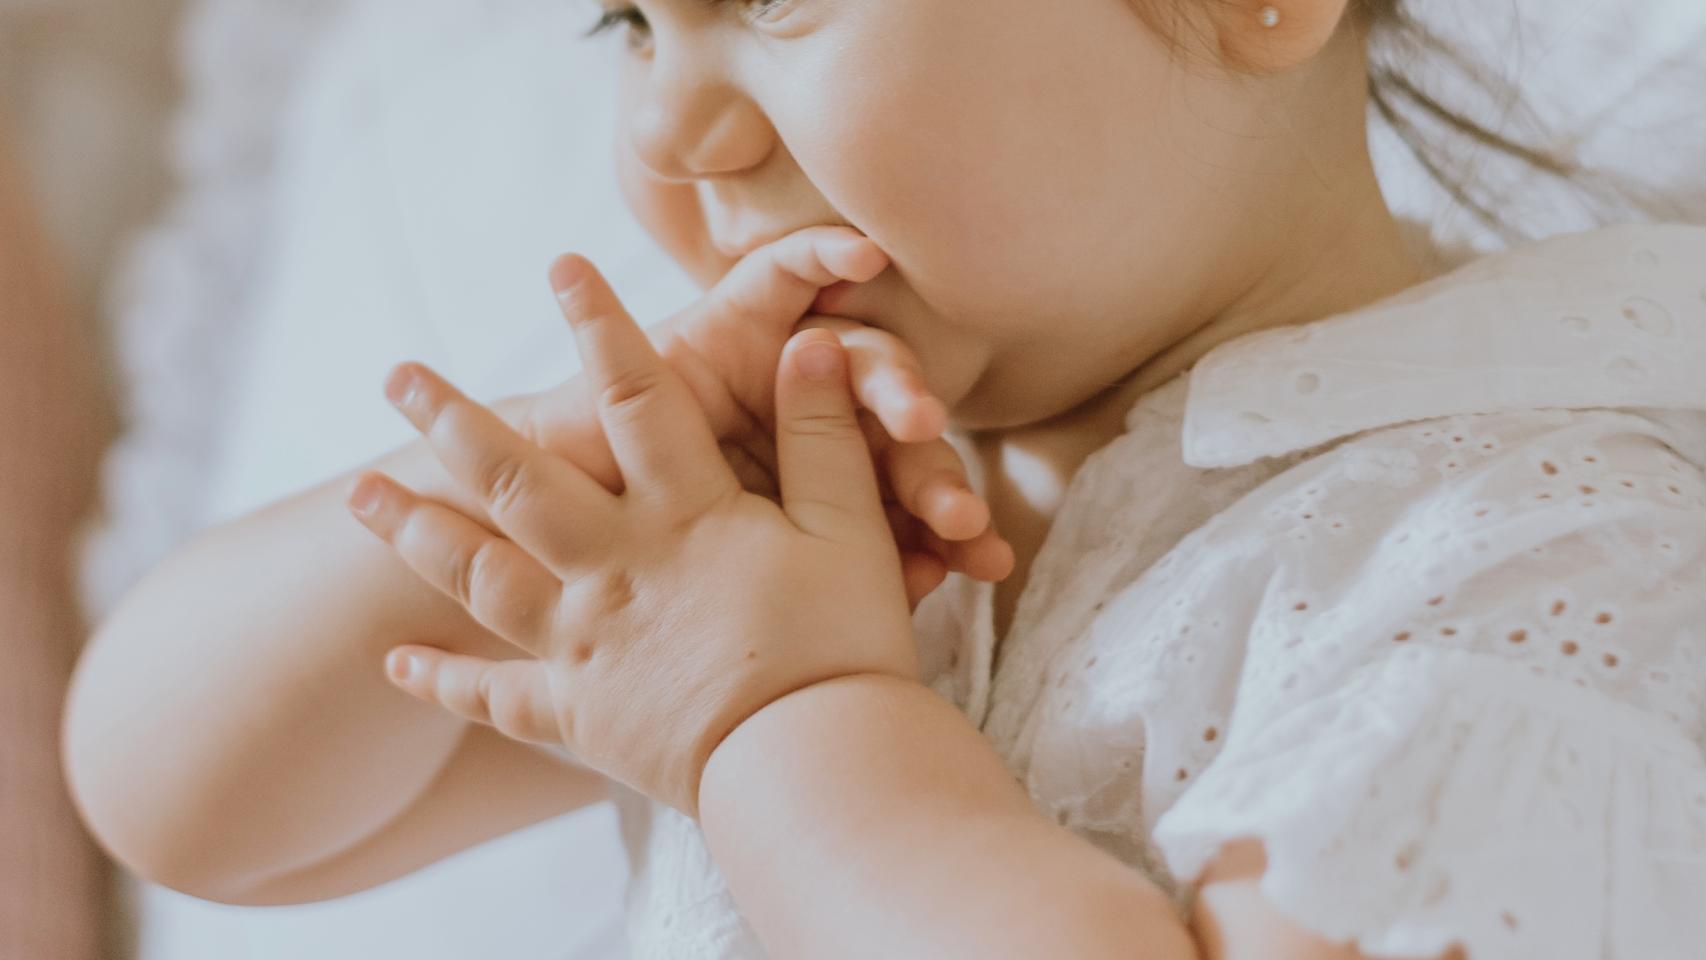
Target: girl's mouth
x,y
833,299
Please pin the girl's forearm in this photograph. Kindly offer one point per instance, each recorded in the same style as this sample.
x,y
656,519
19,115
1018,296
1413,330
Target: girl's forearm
x,y
230,720
866,817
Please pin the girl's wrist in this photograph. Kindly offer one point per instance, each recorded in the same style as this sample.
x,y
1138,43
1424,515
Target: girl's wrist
x,y
854,712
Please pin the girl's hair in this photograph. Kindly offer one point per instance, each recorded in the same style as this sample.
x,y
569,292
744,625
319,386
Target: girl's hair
x,y
1442,132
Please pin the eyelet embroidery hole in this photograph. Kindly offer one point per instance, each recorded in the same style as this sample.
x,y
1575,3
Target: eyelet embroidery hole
x,y
1626,369
1649,316
1517,636
1570,648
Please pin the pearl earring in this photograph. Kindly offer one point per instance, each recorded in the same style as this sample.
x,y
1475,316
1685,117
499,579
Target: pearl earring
x,y
1269,16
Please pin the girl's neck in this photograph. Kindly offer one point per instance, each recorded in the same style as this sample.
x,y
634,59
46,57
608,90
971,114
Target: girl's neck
x,y
1336,262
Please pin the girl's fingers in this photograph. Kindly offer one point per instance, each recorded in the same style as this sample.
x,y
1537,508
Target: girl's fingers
x,y
984,557
923,573
921,568
829,485
497,582
929,479
513,696
725,345
659,432
768,290
887,379
541,501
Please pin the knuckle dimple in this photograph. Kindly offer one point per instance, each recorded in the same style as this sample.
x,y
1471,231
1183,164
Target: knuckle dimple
x,y
448,423
615,593
508,712
823,426
628,389
505,482
743,309
471,573
825,508
488,700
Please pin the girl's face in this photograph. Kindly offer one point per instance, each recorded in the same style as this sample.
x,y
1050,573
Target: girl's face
x,y
1061,198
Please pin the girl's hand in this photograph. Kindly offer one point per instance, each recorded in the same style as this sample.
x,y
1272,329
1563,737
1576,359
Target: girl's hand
x,y
726,347
660,618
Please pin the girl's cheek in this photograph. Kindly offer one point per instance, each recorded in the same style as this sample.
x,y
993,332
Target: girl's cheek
x,y
671,215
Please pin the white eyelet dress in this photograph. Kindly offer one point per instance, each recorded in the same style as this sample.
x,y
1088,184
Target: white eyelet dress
x,y
1415,594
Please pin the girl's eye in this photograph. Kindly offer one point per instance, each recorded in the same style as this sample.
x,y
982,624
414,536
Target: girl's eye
x,y
633,23
629,20
759,9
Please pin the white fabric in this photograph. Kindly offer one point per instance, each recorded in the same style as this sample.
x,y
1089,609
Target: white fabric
x,y
1441,648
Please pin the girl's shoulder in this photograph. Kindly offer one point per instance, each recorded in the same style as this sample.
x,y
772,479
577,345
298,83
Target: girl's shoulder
x,y
1609,319
1552,394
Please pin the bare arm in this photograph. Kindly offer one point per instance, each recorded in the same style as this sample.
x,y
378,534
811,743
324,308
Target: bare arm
x,y
56,422
230,732
866,817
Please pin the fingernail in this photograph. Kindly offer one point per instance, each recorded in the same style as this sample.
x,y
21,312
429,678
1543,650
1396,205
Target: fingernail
x,y
402,388
366,496
404,666
820,362
566,274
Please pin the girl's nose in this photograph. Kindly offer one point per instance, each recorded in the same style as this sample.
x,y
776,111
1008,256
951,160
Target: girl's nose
x,y
688,127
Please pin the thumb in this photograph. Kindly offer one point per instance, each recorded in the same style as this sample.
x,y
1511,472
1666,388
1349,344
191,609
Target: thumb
x,y
829,484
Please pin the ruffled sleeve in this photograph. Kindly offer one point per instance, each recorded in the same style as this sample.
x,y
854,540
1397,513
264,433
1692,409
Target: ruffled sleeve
x,y
1481,721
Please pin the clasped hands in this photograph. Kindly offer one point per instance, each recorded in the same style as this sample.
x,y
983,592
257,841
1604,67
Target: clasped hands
x,y
690,530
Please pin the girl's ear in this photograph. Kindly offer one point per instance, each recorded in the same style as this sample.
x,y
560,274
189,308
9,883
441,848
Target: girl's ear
x,y
1273,36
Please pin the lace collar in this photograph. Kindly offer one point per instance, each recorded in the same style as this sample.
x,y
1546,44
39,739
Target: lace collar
x,y
1609,318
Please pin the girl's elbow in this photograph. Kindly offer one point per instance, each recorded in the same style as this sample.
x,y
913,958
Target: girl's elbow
x,y
119,804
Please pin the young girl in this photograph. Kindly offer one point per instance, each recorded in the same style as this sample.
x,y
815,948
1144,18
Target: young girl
x,y
1351,614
